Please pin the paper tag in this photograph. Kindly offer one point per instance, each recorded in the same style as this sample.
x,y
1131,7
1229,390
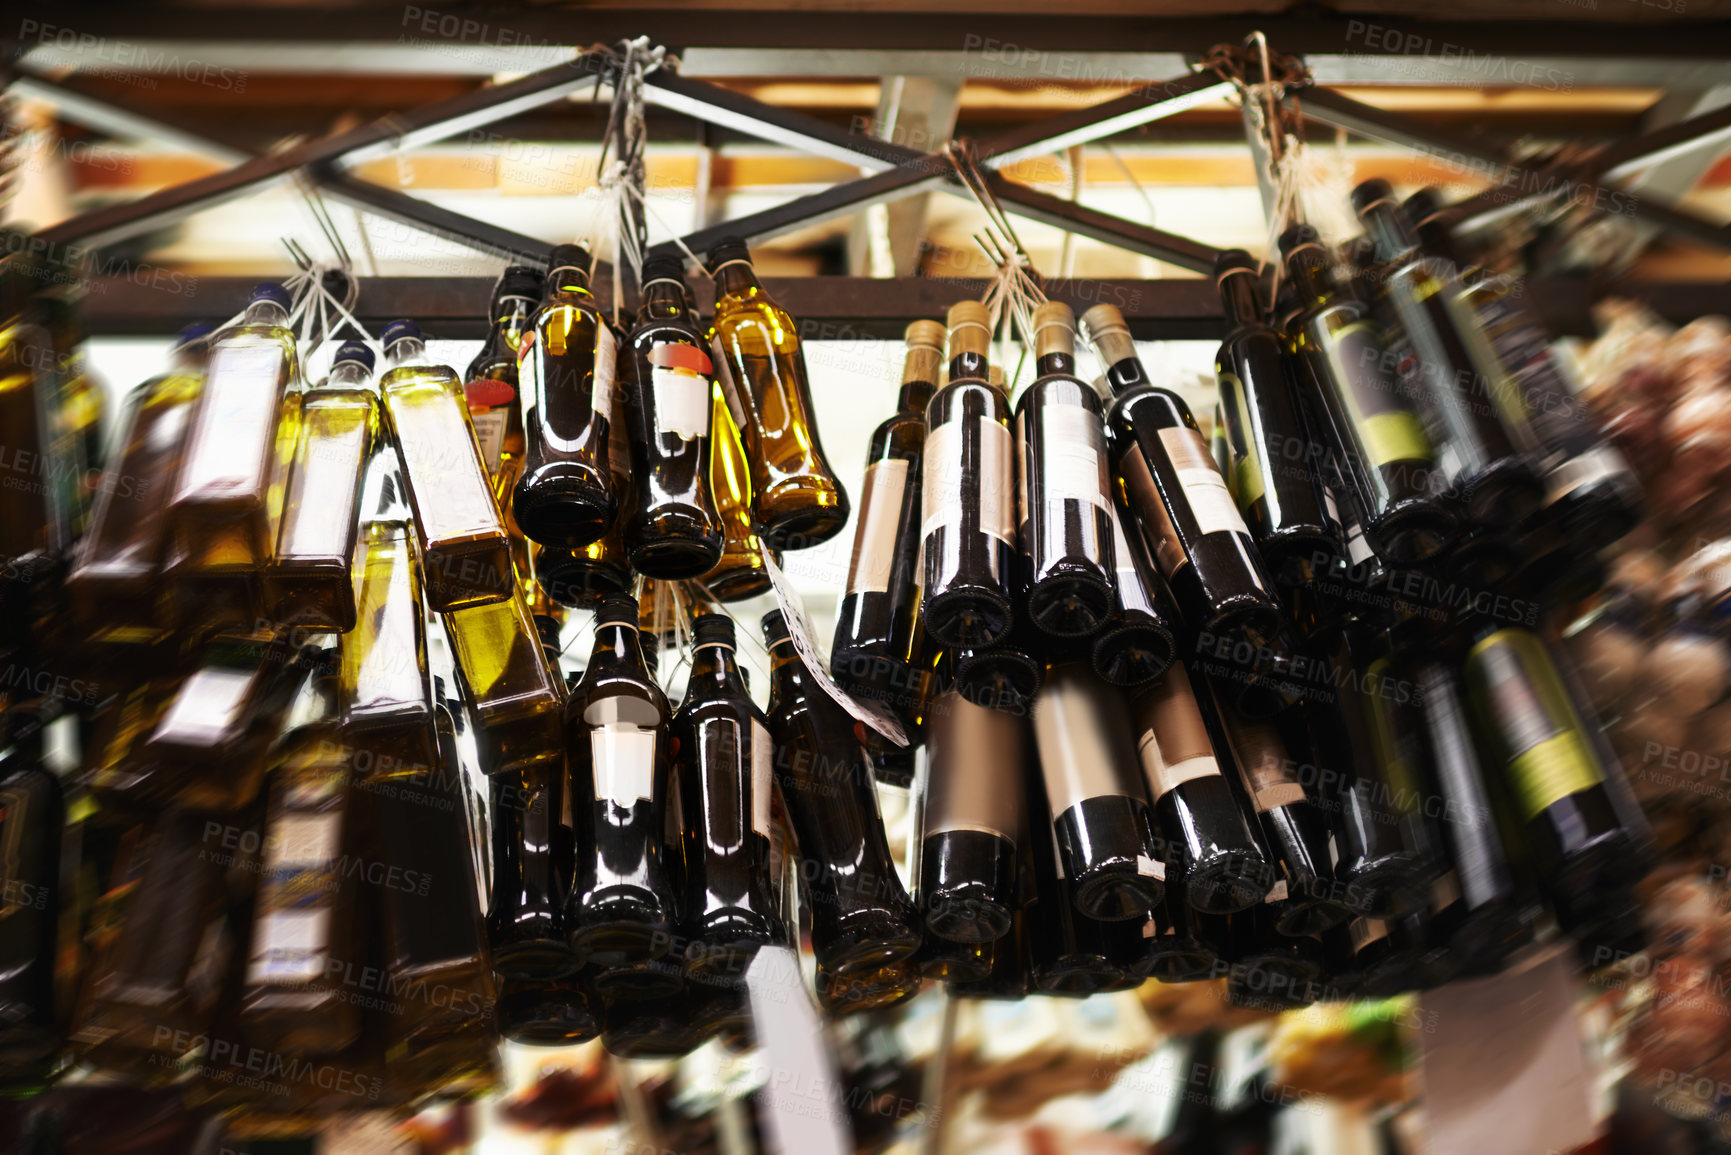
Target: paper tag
x,y
301,840
1277,893
681,402
624,763
874,543
762,778
291,946
799,629
606,357
1150,867
490,433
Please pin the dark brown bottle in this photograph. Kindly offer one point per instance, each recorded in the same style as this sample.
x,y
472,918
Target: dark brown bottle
x,y
723,760
1138,640
32,822
875,626
533,855
1004,677
1374,434
1173,952
968,495
622,910
1104,832
1171,483
1070,951
970,814
565,496
672,530
862,918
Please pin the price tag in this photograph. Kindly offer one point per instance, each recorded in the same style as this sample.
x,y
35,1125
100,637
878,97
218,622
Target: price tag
x,y
799,628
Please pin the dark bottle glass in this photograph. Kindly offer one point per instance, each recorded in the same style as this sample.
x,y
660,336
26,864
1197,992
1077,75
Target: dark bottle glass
x,y
1365,741
1203,832
1480,429
1197,536
1066,507
32,822
533,854
1173,952
1590,491
1272,971
1307,898
1069,951
547,1012
972,806
673,530
565,497
1005,677
1099,807
622,911
968,495
1138,640
1582,847
796,499
1278,486
875,626
1375,436
862,918
724,762
490,387
1011,957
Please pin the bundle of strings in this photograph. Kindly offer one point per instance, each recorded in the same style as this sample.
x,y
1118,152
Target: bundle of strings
x,y
619,231
1018,288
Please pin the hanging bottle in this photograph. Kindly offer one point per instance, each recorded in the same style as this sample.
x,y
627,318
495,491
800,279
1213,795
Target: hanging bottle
x,y
797,500
673,530
1199,540
724,761
460,536
875,626
490,385
970,815
1139,637
862,918
32,827
310,582
516,699
622,911
968,496
114,589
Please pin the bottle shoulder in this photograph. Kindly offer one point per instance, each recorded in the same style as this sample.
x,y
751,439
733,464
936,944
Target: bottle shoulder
x,y
1059,389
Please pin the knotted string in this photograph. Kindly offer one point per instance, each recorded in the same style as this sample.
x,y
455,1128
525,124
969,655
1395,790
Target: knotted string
x,y
1018,288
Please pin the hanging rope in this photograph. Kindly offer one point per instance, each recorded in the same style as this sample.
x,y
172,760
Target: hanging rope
x,y
1018,289
620,228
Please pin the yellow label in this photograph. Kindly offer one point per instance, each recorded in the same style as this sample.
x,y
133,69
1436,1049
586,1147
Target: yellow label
x,y
1554,769
1396,436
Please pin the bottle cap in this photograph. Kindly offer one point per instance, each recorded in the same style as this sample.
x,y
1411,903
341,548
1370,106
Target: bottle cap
x,y
1370,194
1297,237
404,330
727,249
569,257
926,333
664,267
617,611
1102,319
1054,329
271,292
1234,261
1422,205
196,333
966,313
357,352
712,629
520,281
774,628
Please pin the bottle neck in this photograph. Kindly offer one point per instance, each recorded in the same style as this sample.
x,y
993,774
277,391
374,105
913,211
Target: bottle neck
x,y
568,284
786,671
735,277
1238,299
407,351
715,662
1388,231
968,366
1309,276
350,373
1055,363
266,312
663,300
618,645
914,397
510,321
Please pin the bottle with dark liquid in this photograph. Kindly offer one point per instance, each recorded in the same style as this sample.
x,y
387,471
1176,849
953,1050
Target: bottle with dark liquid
x,y
622,910
797,500
565,497
1582,847
971,812
724,762
1375,435
862,918
1199,540
1139,638
583,577
1481,431
672,530
1202,830
1278,486
1173,952
1105,833
113,589
32,825
968,496
1004,677
1067,512
1070,951
1589,488
875,626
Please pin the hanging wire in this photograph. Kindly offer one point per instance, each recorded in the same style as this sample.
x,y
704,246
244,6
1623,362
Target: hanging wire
x,y
1018,288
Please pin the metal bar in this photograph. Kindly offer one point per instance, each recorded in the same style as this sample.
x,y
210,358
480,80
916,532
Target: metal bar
x,y
1097,122
1652,147
412,210
1330,107
1113,230
116,120
407,130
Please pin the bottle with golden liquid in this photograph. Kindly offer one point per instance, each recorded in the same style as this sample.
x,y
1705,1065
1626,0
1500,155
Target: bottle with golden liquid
x,y
311,580
114,590
465,554
491,384
740,573
220,503
797,500
565,495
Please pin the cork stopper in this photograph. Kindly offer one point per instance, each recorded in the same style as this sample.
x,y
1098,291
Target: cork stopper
x,y
970,329
1054,329
925,358
1109,334
929,333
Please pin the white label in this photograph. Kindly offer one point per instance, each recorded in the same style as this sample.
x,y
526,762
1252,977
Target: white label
x,y
1277,893
799,630
681,402
1164,776
941,479
624,759
941,482
1074,467
291,947
490,433
762,779
874,542
302,840
1594,465
1365,931
606,357
205,709
1210,501
1278,795
229,453
997,483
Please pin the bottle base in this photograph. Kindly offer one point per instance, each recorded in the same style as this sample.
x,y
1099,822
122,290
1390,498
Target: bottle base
x,y
538,960
969,618
1069,607
1227,886
674,559
1133,654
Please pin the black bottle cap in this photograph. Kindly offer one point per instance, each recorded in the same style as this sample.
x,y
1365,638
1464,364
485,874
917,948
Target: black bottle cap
x,y
195,334
272,292
400,331
570,257
1296,237
1422,205
1234,261
712,630
775,628
1369,193
727,249
617,611
356,351
520,281
664,267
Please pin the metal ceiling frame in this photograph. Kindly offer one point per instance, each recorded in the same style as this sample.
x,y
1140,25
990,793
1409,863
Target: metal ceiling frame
x,y
892,170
